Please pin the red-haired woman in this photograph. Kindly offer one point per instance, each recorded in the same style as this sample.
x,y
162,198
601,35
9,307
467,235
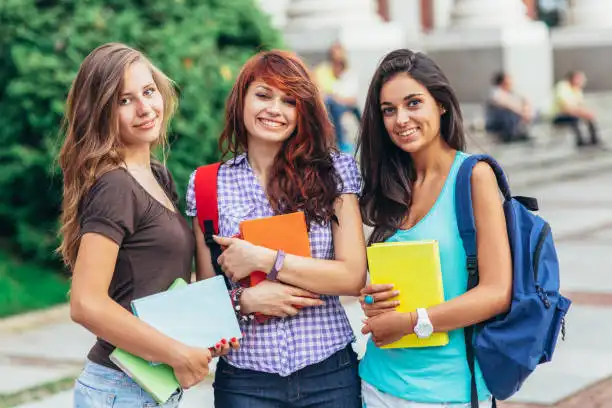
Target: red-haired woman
x,y
282,160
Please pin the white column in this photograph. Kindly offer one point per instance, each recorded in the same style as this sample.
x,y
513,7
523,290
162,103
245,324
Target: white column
x,y
442,10
313,25
592,13
314,14
487,13
486,36
585,43
277,9
407,14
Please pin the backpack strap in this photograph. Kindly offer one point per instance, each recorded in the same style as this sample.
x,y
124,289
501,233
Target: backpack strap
x,y
207,210
467,230
463,201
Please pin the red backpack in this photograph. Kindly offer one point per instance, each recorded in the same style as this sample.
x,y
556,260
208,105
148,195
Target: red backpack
x,y
207,212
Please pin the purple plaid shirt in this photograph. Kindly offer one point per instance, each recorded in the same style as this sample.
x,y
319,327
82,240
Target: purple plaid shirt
x,y
282,346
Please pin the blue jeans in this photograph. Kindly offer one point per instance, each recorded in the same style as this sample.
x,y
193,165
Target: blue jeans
x,y
102,387
335,111
332,383
507,123
574,123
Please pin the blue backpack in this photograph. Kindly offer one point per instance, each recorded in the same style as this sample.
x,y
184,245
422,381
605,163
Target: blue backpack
x,y
510,346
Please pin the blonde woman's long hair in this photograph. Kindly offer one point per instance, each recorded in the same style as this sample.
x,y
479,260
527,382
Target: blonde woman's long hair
x,y
92,144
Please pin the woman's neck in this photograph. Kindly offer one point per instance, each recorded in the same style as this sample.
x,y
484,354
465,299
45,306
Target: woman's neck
x,y
433,160
139,158
261,157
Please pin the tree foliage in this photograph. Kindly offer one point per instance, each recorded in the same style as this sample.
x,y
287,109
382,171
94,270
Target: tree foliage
x,y
201,44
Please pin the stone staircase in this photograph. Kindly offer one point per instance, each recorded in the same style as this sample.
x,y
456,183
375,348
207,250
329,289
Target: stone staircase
x,y
551,155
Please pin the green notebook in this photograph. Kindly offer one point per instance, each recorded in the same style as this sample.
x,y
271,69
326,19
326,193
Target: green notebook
x,y
158,380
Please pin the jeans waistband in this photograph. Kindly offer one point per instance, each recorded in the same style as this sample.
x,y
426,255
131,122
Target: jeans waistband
x,y
107,375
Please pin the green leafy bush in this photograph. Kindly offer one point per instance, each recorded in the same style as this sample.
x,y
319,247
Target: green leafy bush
x,y
26,286
201,44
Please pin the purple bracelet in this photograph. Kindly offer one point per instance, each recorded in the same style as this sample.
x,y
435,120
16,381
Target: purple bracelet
x,y
278,265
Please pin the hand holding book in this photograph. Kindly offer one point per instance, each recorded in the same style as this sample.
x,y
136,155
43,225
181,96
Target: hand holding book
x,y
390,327
382,296
249,257
190,364
240,258
413,267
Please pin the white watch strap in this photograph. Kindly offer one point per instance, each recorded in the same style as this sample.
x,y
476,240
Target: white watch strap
x,y
422,315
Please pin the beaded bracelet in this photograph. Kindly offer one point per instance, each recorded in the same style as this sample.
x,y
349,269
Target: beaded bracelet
x,y
235,296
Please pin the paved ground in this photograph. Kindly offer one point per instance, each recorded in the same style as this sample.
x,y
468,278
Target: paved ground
x,y
575,194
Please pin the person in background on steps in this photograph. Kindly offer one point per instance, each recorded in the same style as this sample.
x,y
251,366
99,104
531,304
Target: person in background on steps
x,y
507,114
411,146
569,108
122,235
339,85
280,140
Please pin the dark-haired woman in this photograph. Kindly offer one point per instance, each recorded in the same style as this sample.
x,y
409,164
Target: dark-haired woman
x,y
411,145
280,140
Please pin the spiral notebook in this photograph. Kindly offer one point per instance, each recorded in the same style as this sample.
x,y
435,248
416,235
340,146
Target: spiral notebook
x,y
414,269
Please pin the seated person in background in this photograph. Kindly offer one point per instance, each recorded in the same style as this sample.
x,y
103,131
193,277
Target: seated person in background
x,y
339,86
507,114
569,108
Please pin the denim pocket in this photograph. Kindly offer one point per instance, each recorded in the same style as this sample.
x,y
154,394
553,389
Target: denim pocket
x,y
87,396
173,402
225,368
346,357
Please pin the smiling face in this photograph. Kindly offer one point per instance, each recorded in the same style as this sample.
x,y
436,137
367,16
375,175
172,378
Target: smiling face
x,y
270,115
141,106
410,113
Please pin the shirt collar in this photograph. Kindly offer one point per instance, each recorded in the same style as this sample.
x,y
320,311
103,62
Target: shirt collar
x,y
239,160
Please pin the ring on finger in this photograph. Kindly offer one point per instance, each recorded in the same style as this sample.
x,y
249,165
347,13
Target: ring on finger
x,y
369,299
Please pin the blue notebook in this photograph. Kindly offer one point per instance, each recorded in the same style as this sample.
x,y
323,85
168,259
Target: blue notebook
x,y
199,314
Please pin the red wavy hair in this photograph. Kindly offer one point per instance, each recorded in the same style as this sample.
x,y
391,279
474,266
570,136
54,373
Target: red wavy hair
x,y
303,177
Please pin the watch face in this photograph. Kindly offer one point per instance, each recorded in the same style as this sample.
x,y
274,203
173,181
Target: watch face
x,y
423,330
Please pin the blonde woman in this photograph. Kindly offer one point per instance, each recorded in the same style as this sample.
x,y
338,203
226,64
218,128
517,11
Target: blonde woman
x,y
122,234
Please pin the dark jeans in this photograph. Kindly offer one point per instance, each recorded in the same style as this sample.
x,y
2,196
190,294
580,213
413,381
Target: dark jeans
x,y
332,383
574,123
335,111
508,124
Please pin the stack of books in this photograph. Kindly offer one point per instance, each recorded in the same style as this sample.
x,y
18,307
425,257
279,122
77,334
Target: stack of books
x,y
198,314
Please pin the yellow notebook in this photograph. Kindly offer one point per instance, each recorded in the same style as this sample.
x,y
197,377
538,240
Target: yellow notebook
x,y
414,268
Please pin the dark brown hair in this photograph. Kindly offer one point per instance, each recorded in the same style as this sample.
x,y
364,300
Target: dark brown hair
x,y
388,171
303,176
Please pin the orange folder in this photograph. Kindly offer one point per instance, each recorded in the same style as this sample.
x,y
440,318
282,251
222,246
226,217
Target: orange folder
x,y
287,232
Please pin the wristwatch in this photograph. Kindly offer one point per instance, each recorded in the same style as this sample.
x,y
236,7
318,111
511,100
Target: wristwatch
x,y
278,265
423,328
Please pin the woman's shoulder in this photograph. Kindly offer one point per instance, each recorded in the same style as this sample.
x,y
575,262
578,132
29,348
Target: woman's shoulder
x,y
115,181
348,171
113,193
343,161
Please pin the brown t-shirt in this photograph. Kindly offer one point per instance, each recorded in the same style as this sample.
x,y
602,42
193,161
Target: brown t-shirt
x,y
156,245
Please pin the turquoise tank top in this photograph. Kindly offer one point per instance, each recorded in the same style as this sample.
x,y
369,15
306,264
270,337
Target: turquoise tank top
x,y
432,374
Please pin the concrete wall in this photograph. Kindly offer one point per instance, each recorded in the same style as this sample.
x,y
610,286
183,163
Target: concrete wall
x,y
595,60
